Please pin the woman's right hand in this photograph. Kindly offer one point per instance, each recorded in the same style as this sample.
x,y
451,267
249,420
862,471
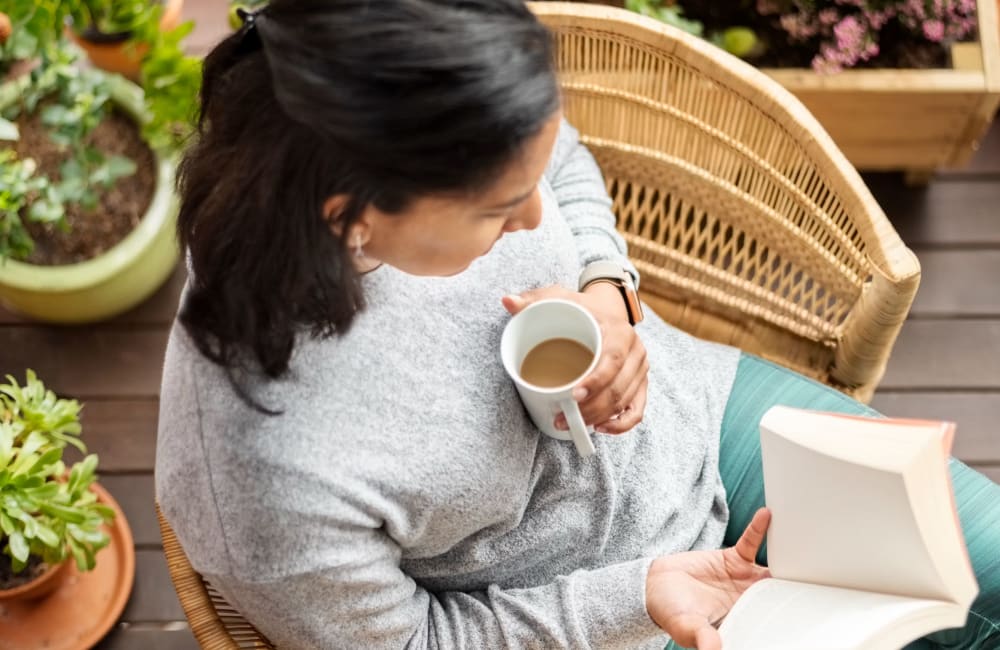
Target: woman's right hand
x,y
687,594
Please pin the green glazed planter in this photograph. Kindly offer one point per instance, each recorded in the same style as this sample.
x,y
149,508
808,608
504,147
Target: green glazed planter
x,y
121,277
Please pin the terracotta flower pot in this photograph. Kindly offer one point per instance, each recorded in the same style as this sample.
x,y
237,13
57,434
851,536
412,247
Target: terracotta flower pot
x,y
82,606
113,52
40,587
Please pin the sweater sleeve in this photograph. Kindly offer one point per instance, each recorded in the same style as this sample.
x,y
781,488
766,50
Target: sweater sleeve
x,y
583,200
358,597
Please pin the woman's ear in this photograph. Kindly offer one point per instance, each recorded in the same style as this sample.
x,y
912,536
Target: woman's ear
x,y
333,208
360,229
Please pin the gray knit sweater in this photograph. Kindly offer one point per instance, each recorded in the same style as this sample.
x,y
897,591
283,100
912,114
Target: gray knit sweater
x,y
403,499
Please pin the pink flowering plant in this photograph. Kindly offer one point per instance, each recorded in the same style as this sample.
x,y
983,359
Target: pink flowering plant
x,y
847,33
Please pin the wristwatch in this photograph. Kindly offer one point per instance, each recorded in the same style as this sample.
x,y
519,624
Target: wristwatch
x,y
613,273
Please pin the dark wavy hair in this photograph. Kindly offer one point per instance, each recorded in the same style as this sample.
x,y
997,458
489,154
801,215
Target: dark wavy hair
x,y
379,100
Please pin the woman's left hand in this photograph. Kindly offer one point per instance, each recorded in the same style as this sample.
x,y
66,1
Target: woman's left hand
x,y
612,397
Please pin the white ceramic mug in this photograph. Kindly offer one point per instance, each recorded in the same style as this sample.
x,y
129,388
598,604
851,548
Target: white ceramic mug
x,y
541,321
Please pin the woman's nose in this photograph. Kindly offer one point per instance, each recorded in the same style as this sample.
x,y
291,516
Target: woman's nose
x,y
528,216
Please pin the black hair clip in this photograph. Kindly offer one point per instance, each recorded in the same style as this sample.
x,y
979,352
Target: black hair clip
x,y
249,35
249,18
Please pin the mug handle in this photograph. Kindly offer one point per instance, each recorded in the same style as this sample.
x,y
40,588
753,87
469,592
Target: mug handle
x,y
577,427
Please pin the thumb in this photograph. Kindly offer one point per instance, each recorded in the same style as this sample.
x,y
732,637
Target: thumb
x,y
513,303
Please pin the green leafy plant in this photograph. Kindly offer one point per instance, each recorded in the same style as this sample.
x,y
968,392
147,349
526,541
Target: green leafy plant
x,y
43,511
22,190
665,11
737,40
118,16
77,102
35,26
171,81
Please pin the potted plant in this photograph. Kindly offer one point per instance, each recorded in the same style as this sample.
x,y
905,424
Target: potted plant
x,y
47,515
87,206
114,33
67,560
898,84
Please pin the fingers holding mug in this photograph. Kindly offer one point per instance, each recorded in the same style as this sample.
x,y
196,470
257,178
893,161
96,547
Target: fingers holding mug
x,y
613,389
632,414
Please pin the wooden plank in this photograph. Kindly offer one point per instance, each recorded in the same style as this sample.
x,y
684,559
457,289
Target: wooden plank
x,y
944,353
958,283
87,362
958,212
153,597
159,309
977,415
172,636
134,493
121,432
986,160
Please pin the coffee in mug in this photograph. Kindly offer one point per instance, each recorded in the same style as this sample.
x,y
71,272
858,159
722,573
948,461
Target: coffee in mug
x,y
556,362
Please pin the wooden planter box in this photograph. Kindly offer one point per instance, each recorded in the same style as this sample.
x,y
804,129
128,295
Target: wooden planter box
x,y
912,120
915,120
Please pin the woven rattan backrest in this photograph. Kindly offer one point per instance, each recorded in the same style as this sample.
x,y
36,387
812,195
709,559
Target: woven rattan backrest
x,y
747,224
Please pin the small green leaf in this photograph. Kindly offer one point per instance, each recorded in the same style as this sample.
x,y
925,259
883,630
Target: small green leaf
x,y
9,131
76,442
57,115
44,211
44,492
66,513
46,459
18,546
47,536
30,528
107,513
6,523
112,169
23,45
84,560
87,536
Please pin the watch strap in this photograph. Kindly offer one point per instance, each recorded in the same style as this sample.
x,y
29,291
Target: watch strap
x,y
613,273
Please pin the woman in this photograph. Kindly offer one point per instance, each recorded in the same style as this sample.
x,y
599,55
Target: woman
x,y
376,185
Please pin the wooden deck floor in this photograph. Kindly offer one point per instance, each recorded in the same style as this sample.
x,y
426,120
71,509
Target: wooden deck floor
x,y
946,363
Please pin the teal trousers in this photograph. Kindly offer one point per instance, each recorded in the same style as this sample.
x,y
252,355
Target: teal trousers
x,y
758,386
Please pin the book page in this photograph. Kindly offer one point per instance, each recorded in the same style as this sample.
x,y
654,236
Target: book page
x,y
846,510
782,615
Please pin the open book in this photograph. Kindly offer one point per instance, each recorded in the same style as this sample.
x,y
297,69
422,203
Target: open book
x,y
864,546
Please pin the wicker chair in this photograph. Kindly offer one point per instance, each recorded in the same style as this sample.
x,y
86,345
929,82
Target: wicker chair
x,y
747,224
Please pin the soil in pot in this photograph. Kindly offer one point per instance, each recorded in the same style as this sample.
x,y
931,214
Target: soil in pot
x,y
11,580
120,208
